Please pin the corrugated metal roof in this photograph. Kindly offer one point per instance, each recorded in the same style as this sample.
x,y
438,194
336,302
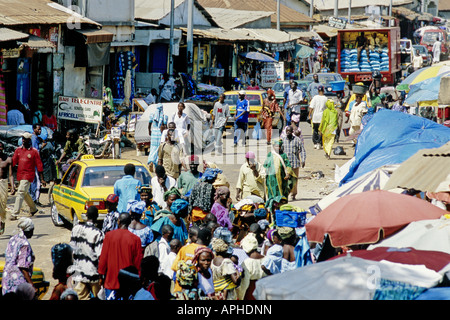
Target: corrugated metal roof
x,y
35,42
323,5
287,15
426,170
25,12
153,10
245,34
230,18
7,34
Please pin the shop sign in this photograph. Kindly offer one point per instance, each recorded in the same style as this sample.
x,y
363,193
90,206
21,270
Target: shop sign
x,y
285,46
269,75
11,53
80,109
337,23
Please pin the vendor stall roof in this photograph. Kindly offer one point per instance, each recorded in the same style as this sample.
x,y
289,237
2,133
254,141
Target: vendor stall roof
x,y
245,34
43,45
96,35
7,34
38,12
230,18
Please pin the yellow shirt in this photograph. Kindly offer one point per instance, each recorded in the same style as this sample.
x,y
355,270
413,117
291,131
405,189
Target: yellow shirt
x,y
248,183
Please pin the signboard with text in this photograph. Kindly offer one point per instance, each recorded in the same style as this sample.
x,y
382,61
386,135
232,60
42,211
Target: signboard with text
x,y
80,109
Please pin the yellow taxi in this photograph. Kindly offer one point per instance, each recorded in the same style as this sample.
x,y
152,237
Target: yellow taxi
x,y
256,101
88,182
38,281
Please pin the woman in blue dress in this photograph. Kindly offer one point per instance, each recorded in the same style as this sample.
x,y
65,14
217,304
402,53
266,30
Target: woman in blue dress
x,y
156,124
179,210
136,209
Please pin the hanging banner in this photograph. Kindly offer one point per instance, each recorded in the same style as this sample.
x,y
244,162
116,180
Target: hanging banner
x,y
80,109
271,73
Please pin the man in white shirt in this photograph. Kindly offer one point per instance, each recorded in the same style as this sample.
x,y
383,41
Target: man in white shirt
x,y
417,61
220,115
359,108
295,98
183,124
316,108
178,137
166,88
161,183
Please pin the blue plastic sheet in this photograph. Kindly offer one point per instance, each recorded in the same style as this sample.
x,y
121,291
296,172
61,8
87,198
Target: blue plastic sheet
x,y
391,137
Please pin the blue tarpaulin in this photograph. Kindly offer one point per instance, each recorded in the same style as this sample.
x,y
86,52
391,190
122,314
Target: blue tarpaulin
x,y
391,137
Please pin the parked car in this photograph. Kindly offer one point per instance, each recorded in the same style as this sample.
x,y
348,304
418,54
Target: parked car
x,y
426,56
326,78
37,277
88,182
256,101
280,87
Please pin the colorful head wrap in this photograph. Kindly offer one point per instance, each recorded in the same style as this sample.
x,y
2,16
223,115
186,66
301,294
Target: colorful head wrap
x,y
198,251
144,188
136,206
224,234
278,142
286,232
179,205
260,213
218,245
249,243
210,174
112,198
170,192
221,191
25,224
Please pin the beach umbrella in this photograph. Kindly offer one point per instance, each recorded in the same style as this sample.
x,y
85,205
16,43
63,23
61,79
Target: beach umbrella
x,y
426,170
375,179
368,217
430,234
434,260
425,92
254,55
421,75
347,278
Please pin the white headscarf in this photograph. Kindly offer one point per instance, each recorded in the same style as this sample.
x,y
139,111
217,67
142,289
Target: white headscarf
x,y
25,224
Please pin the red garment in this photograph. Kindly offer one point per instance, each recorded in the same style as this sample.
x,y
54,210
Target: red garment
x,y
50,122
27,160
120,249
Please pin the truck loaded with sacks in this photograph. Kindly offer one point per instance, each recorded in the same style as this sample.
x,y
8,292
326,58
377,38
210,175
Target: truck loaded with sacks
x,y
361,52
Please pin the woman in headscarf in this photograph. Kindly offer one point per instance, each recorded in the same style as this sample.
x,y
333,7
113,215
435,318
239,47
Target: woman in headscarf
x,y
252,266
169,197
280,177
202,260
156,126
225,275
152,207
202,195
328,127
179,210
222,207
136,209
267,113
19,257
368,116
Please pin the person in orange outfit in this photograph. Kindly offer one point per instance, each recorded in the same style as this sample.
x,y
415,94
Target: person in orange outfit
x,y
267,114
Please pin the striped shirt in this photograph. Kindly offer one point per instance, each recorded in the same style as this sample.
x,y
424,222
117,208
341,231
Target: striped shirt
x,y
295,150
87,242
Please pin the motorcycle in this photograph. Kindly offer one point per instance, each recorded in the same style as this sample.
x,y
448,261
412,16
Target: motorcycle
x,y
111,143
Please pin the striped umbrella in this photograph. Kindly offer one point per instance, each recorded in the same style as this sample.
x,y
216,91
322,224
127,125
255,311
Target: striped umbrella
x,y
421,75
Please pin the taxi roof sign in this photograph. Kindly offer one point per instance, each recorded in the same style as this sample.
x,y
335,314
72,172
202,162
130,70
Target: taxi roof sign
x,y
87,157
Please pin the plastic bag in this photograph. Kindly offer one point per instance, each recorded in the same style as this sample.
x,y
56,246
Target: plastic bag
x,y
257,132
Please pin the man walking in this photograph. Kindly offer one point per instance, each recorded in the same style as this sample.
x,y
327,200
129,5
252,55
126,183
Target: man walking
x,y
220,115
35,187
313,87
87,241
241,119
27,160
296,153
5,174
251,178
126,187
316,108
295,99
120,249
170,155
